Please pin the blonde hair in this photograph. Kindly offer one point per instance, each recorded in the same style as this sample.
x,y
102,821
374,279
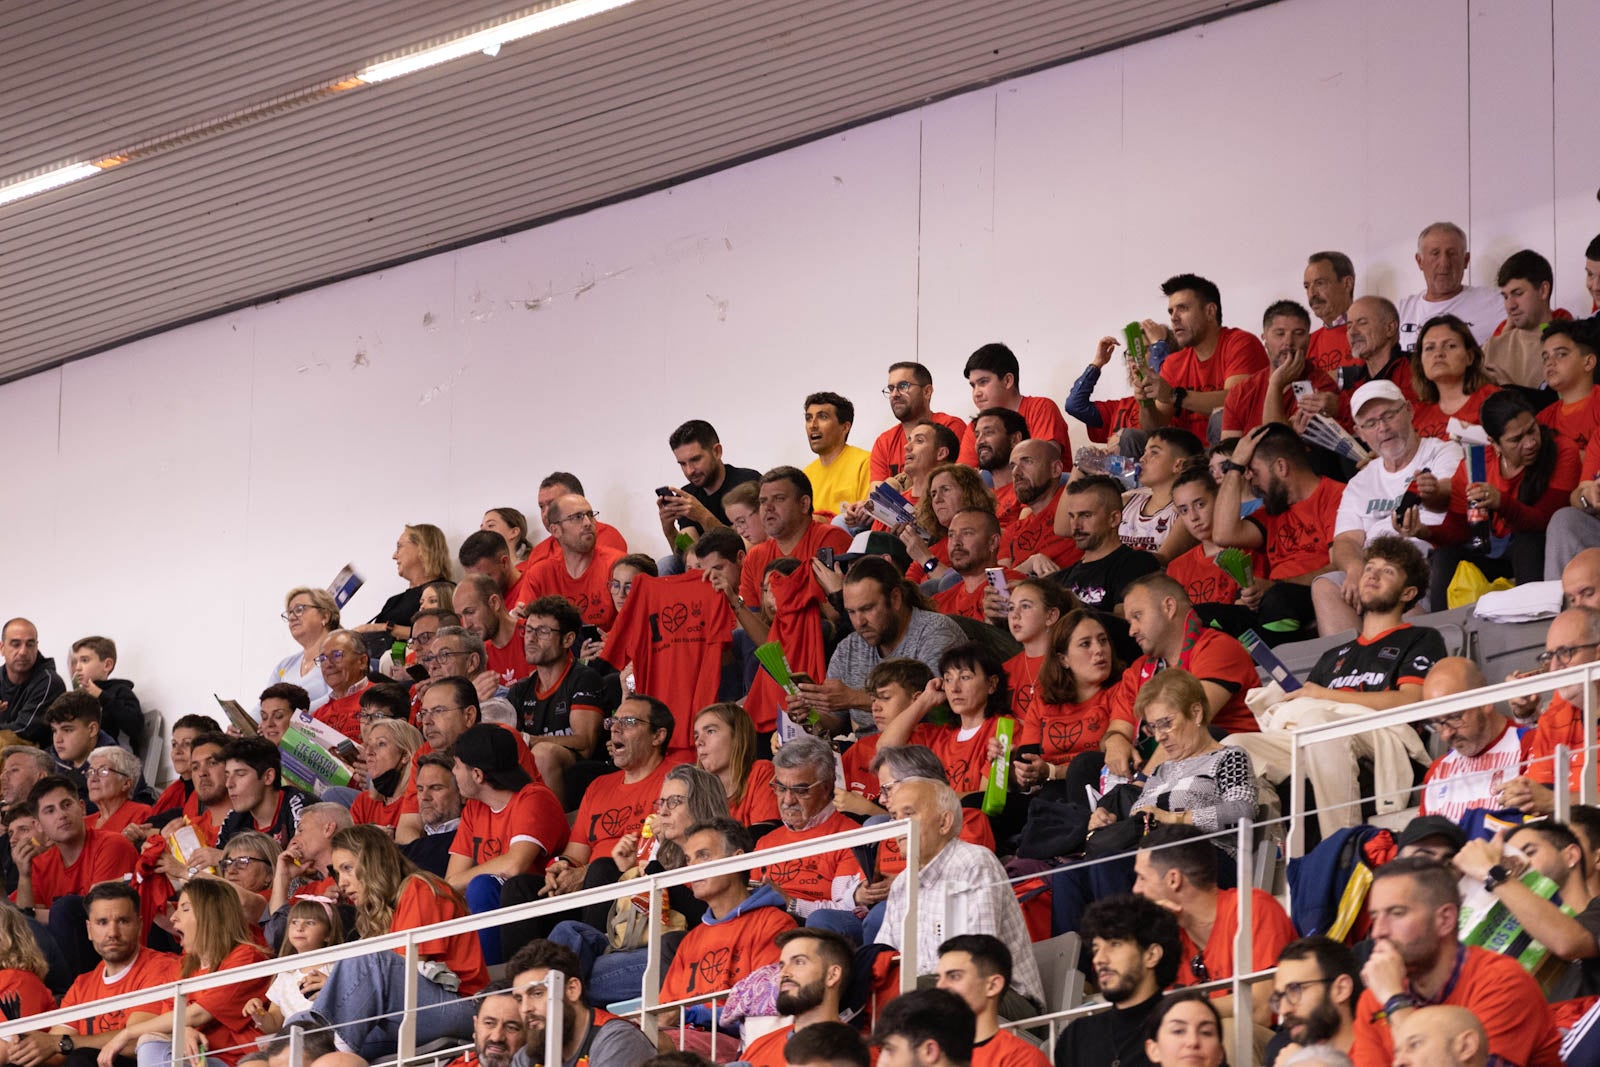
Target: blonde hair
x,y
219,924
320,910
384,871
408,739
435,551
253,843
975,496
321,600
19,950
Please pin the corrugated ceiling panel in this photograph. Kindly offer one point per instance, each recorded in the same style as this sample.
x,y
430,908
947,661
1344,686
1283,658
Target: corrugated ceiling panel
x,y
595,111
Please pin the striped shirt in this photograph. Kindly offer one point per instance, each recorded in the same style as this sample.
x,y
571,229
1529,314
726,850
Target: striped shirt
x,y
1457,784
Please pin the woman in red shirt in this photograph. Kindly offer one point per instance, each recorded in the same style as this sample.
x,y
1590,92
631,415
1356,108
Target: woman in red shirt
x,y
22,966
972,683
952,488
216,937
1449,375
725,745
389,747
1531,471
1070,711
391,894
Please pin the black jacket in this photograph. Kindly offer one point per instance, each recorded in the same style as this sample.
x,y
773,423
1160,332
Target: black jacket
x,y
24,702
121,715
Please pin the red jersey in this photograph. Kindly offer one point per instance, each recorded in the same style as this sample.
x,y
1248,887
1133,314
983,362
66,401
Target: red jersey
x,y
1006,1049
1560,724
674,630
859,778
719,952
1207,583
1007,508
510,661
810,878
172,797
817,535
768,1049
613,808
758,803
29,989
1499,994
589,592
889,450
1270,933
1035,532
959,600
1245,406
148,970
344,714
1329,349
605,536
533,814
1431,421
1045,423
1237,353
1513,516
129,814
106,857
1064,730
797,627
1577,422
229,1027
966,761
1022,679
367,809
1209,655
1115,416
1296,542
425,900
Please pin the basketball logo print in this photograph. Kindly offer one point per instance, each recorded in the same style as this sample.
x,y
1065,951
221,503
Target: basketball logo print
x,y
487,848
673,617
782,874
712,967
613,822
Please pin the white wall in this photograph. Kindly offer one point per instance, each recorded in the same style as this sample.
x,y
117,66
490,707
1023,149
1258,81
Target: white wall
x,y
169,492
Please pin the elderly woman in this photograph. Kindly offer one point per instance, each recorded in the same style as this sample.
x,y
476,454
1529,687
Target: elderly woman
x,y
1449,374
344,664
952,487
247,863
421,556
112,773
311,615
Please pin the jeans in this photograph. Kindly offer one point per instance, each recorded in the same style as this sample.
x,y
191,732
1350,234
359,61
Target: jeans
x,y
341,795
69,926
609,977
843,923
362,987
483,894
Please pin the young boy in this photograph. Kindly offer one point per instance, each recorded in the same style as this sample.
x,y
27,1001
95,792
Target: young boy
x,y
93,660
74,719
894,684
1149,518
1569,358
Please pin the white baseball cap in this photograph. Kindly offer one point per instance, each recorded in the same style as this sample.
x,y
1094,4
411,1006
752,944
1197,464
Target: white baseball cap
x,y
1382,389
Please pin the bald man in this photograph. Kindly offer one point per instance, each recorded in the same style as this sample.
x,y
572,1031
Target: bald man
x,y
1035,544
1440,1036
1484,750
1580,579
1573,639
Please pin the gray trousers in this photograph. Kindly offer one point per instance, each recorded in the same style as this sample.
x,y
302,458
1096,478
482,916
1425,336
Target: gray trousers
x,y
1571,530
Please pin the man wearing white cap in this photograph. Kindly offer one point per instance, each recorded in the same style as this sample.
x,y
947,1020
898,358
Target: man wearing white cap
x,y
1367,509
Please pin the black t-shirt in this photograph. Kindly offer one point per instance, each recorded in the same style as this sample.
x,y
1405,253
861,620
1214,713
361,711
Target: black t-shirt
x,y
1100,584
732,476
291,805
1107,1038
551,715
1404,654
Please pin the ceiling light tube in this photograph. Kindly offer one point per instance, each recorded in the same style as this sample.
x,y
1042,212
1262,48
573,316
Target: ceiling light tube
x,y
50,179
487,40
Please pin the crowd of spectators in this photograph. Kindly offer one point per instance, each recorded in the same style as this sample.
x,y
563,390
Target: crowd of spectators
x,y
1050,661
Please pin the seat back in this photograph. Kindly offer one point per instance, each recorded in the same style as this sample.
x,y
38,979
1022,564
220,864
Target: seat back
x,y
1058,971
1503,648
155,745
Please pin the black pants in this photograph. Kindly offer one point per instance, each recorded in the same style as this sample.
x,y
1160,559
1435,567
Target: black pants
x,y
1285,614
1523,562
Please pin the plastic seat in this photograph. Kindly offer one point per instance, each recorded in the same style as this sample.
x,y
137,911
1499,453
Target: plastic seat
x,y
1058,971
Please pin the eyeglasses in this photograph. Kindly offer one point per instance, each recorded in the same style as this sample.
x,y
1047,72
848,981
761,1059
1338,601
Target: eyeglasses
x,y
898,387
1452,721
619,587
240,862
367,718
422,640
334,657
296,611
103,772
1385,419
425,714
794,790
1162,727
1290,994
666,804
627,722
1197,967
579,517
1562,657
542,632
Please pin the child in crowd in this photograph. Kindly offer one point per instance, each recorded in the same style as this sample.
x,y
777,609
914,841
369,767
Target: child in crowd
x,y
313,923
1149,519
894,685
1209,586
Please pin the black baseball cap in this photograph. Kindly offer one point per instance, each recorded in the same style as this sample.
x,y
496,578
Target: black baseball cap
x,y
492,749
1425,826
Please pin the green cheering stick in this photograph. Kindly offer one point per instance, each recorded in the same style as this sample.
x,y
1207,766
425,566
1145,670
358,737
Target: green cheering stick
x,y
1236,563
1137,354
776,664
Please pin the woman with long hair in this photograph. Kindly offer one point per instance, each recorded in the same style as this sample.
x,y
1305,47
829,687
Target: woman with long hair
x,y
1450,376
22,965
725,745
512,525
1069,711
391,894
952,488
389,746
216,936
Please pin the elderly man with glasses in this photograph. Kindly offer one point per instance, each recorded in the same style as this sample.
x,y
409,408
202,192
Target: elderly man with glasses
x,y
1485,753
1573,638
456,652
1409,471
344,662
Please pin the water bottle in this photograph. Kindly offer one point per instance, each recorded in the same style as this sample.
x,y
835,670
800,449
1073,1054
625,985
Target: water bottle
x,y
994,794
1480,532
1090,460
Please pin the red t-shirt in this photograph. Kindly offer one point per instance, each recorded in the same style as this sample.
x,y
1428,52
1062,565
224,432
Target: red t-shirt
x,y
367,809
1065,730
1431,421
959,600
1513,515
1115,416
1270,932
425,900
1560,724
1237,352
810,878
1207,583
148,970
172,797
1329,349
768,1049
1214,657
1578,422
344,714
758,803
589,592
612,808
817,535
229,1027
797,627
1297,541
532,814
674,631
1006,1049
939,550
1035,532
1499,994
510,661
1007,508
889,450
966,762
859,778
714,955
1045,423
605,536
29,989
1245,406
131,813
106,857
1022,679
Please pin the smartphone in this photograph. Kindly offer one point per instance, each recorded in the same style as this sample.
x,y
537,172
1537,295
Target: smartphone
x,y
665,491
800,678
588,632
825,556
997,581
1303,390
1408,500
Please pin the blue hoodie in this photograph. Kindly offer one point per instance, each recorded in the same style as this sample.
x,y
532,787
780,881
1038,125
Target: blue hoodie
x,y
765,896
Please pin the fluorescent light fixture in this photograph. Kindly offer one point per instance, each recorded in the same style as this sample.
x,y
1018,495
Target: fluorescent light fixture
x,y
50,179
488,41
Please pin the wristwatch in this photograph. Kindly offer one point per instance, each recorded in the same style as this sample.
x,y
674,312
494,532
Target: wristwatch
x,y
65,1045
1179,394
1498,875
930,566
1230,465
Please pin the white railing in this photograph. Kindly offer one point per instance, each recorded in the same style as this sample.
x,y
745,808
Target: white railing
x,y
654,885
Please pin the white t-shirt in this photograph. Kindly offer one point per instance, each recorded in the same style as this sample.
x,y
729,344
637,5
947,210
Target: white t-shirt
x,y
1479,306
1369,500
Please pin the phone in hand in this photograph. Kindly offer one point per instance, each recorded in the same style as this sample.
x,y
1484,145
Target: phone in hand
x,y
1408,500
588,632
665,491
826,556
801,678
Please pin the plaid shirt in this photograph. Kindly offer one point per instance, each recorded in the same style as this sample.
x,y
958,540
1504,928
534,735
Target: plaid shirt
x,y
991,908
